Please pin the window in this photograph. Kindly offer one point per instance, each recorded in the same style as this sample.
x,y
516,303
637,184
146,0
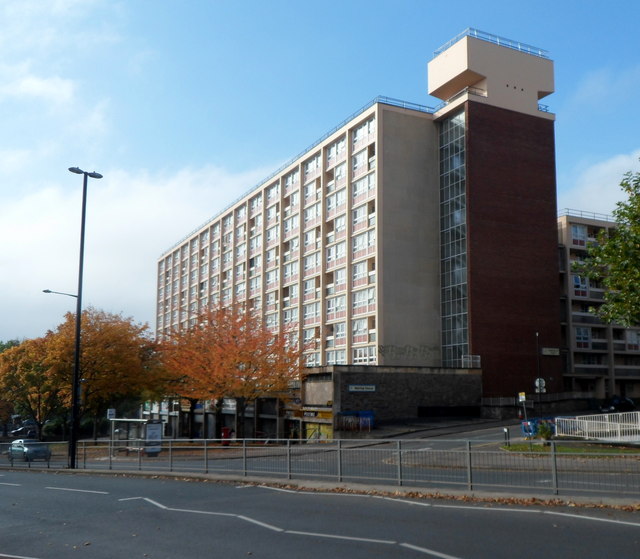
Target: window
x,y
292,178
310,286
359,214
363,298
583,337
364,354
241,251
336,199
290,269
312,261
359,270
580,286
273,233
336,149
241,231
254,283
337,304
241,212
291,223
336,357
290,315
312,165
255,242
312,212
364,240
311,310
337,251
633,340
272,212
272,257
359,161
361,132
273,192
579,234
310,238
363,185
254,264
272,276
255,203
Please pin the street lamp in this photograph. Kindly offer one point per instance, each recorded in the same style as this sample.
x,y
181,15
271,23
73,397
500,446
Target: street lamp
x,y
75,386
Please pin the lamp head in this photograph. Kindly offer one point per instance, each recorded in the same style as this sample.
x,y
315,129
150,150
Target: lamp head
x,y
76,170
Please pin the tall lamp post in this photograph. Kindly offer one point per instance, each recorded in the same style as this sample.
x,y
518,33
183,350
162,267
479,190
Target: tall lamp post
x,y
75,394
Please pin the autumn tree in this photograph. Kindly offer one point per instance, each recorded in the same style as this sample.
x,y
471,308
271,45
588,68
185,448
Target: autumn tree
x,y
118,361
614,261
28,382
230,352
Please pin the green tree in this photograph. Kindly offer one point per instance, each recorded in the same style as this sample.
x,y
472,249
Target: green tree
x,y
8,344
614,261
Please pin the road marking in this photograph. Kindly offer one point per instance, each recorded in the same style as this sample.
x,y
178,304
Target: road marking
x,y
428,551
16,556
78,490
258,523
11,485
461,507
337,537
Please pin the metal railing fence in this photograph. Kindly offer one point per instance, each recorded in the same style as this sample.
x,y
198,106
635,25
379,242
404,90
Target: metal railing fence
x,y
611,427
426,464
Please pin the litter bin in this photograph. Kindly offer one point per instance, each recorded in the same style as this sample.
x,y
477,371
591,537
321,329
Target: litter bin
x,y
226,435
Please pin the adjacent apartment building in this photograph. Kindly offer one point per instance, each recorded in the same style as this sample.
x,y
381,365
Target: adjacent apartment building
x,y
408,235
603,359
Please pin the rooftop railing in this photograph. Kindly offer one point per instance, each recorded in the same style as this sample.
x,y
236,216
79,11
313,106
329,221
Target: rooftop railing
x,y
496,40
586,215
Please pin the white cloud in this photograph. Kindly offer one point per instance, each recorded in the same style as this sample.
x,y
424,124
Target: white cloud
x,y
131,220
597,187
54,90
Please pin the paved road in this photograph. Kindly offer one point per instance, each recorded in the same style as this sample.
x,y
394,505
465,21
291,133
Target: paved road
x,y
46,516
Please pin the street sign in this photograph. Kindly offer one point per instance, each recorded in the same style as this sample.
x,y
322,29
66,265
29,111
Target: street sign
x,y
522,396
111,413
540,385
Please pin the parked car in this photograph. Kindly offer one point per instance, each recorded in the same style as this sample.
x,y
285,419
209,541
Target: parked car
x,y
28,431
28,450
616,404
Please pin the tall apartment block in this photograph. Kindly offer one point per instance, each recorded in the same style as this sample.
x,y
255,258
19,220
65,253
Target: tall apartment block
x,y
601,358
407,236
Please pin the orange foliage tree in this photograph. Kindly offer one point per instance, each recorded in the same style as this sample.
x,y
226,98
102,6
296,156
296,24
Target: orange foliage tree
x,y
118,361
28,382
230,352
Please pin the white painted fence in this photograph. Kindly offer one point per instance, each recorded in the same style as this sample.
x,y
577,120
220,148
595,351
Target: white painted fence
x,y
615,427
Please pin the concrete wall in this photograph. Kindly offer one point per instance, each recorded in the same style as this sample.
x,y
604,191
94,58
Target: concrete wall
x,y
408,237
396,392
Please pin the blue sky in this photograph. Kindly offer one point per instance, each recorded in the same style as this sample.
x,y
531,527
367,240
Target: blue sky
x,y
184,106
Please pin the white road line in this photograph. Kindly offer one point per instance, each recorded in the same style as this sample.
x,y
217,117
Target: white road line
x,y
77,490
428,551
337,537
15,556
11,485
257,522
460,507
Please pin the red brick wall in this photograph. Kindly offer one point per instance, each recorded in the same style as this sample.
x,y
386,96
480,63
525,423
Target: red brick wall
x,y
512,248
